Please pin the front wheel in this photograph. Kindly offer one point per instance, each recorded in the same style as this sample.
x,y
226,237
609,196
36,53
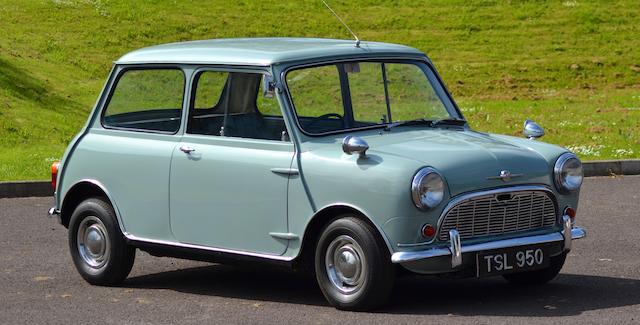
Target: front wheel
x,y
98,248
353,268
539,276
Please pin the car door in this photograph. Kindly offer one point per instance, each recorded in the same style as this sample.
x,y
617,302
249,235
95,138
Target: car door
x,y
228,180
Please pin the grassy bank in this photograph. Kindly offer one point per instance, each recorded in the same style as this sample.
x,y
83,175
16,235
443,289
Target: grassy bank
x,y
572,66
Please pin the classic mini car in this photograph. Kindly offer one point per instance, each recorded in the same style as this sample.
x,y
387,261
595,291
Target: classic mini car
x,y
351,161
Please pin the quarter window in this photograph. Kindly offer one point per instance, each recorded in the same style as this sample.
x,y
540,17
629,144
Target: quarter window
x,y
148,99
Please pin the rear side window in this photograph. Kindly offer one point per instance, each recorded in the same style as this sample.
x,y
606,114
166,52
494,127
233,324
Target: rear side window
x,y
149,99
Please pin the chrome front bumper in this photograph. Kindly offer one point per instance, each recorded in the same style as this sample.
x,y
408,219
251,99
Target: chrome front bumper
x,y
455,249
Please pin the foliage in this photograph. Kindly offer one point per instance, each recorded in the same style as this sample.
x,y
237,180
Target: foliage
x,y
572,66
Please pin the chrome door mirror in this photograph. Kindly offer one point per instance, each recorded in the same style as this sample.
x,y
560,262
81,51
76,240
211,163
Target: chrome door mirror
x,y
351,145
268,87
532,130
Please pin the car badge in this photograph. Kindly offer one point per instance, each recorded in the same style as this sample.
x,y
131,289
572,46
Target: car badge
x,y
505,176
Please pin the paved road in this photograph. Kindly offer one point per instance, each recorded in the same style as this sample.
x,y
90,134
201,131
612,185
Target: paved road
x,y
599,284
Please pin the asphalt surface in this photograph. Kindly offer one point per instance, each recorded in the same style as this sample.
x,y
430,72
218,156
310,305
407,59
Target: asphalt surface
x,y
600,283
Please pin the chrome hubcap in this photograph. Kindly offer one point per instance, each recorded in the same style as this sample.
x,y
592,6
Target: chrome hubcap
x,y
93,243
345,264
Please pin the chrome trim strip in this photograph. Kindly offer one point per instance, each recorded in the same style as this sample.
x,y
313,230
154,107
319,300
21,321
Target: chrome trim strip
x,y
403,257
211,249
412,245
282,235
285,171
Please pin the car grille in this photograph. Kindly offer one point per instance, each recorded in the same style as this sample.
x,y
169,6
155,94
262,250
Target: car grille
x,y
501,213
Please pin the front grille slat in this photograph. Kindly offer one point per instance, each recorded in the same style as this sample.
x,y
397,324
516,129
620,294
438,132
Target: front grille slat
x,y
485,215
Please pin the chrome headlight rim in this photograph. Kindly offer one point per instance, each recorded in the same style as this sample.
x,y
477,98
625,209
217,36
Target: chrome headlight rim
x,y
416,183
560,181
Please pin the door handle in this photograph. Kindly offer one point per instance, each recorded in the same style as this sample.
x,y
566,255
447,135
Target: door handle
x,y
187,149
285,171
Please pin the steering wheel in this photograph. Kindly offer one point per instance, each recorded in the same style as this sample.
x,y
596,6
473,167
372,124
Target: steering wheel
x,y
326,116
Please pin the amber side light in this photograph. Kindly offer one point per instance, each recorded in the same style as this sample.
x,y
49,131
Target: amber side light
x,y
571,212
54,174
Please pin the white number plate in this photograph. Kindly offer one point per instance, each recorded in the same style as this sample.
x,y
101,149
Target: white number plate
x,y
512,260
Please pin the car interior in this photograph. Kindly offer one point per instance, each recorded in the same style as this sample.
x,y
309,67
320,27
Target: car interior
x,y
236,114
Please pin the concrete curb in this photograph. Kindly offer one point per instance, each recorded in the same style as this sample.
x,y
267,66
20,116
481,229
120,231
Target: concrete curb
x,y
591,168
611,167
25,189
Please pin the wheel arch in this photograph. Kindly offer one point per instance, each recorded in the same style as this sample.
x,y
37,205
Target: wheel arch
x,y
321,219
80,191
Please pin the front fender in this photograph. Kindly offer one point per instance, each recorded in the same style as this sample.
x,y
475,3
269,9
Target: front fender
x,y
378,187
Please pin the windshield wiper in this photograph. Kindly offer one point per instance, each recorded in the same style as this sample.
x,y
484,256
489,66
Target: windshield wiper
x,y
418,121
429,123
449,121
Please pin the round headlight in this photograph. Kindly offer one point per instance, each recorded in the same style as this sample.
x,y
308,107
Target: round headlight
x,y
427,188
568,173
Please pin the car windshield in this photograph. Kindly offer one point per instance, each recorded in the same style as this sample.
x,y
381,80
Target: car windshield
x,y
356,95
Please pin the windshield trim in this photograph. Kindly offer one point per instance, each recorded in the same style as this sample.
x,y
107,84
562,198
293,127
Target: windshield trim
x,y
380,59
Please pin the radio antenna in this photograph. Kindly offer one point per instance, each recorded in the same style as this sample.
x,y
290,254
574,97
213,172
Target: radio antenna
x,y
343,23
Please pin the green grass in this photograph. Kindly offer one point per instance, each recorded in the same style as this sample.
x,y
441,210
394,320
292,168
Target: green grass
x,y
573,66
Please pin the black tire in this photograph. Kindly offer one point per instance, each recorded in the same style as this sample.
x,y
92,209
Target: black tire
x,y
539,277
102,244
354,242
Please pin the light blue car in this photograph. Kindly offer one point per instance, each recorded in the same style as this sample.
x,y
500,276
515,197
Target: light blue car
x,y
348,160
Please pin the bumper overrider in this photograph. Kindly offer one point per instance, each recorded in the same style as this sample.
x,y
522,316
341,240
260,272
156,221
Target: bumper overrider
x,y
455,249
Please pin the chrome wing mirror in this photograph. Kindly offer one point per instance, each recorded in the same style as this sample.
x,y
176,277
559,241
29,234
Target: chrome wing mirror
x,y
532,130
351,145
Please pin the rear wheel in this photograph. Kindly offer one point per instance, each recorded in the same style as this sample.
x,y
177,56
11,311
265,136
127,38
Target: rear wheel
x,y
353,268
539,276
98,248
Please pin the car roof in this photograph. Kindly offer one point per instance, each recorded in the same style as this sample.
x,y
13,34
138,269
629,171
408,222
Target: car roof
x,y
261,51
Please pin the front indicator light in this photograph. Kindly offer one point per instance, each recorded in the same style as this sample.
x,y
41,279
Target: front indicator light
x,y
428,231
571,212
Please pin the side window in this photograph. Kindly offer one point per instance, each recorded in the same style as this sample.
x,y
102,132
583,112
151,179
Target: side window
x,y
209,88
318,98
149,99
231,104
